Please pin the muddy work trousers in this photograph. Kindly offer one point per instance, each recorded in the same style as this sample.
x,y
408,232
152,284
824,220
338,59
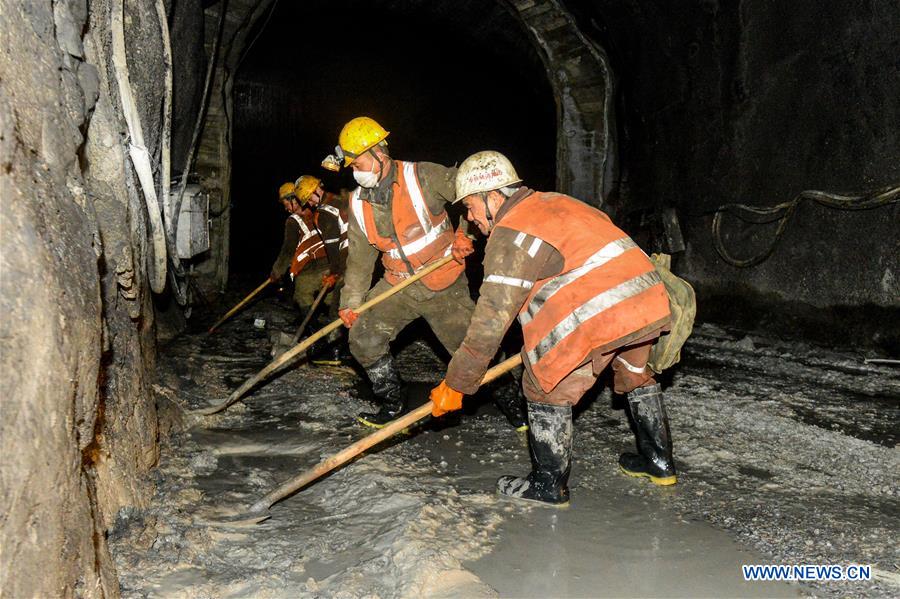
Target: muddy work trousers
x,y
308,284
629,366
447,312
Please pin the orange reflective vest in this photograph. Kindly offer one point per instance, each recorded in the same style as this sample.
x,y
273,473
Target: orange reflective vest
x,y
310,247
421,237
607,294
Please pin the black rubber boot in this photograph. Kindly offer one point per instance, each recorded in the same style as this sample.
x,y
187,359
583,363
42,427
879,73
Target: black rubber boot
x,y
512,405
550,439
388,389
654,444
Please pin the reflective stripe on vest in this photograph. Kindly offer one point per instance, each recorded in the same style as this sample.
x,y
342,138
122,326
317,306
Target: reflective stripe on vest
x,y
356,209
511,281
406,275
418,237
337,214
307,233
607,292
421,243
599,303
431,232
611,250
343,226
310,252
310,247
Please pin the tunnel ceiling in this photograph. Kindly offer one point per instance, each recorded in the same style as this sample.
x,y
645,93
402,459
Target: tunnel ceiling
x,y
446,79
489,24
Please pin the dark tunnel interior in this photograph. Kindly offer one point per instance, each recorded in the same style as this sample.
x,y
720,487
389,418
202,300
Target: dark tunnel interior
x,y
156,385
706,109
445,81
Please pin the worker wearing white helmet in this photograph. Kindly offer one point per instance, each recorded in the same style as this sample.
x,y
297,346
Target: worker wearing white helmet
x,y
587,298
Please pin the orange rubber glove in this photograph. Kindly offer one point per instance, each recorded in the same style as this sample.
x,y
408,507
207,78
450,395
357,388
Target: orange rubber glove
x,y
348,316
330,280
445,399
462,247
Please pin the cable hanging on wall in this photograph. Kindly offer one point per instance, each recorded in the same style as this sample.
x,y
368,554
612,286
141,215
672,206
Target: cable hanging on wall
x,y
783,212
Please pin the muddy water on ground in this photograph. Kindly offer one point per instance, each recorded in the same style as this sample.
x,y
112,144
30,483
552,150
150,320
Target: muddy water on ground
x,y
598,548
418,516
606,543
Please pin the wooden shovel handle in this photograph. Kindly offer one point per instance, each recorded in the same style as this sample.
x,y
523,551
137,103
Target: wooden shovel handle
x,y
304,345
240,305
342,457
309,315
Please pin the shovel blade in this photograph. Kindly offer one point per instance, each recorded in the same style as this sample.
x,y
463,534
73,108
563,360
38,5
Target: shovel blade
x,y
209,411
226,518
281,342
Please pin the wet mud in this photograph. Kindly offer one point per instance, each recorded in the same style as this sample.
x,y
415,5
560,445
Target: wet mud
x,y
786,455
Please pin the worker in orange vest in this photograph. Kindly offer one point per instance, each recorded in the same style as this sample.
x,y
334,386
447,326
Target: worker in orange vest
x,y
302,252
398,213
330,217
587,298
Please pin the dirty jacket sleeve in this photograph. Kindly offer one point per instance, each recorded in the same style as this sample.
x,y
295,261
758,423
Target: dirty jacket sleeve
x,y
509,273
439,189
360,265
288,248
330,231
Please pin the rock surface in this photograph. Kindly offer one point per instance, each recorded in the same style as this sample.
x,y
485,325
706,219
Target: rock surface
x,y
79,424
753,102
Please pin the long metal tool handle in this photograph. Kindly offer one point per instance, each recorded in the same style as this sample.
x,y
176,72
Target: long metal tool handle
x,y
304,345
240,305
342,457
309,315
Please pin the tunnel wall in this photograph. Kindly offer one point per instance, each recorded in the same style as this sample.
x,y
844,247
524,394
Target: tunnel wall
x,y
751,103
78,429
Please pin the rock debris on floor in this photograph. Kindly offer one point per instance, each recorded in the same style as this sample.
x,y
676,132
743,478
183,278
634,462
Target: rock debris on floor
x,y
787,454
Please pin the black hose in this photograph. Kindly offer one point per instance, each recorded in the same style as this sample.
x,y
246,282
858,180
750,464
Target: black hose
x,y
783,212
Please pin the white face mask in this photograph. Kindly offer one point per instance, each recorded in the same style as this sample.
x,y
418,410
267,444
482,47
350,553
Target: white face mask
x,y
366,179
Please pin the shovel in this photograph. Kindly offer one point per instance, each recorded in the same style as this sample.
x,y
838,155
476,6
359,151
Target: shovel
x,y
281,346
239,305
304,345
309,315
259,511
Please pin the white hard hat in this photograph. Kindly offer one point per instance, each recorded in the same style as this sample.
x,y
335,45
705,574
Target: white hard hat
x,y
484,171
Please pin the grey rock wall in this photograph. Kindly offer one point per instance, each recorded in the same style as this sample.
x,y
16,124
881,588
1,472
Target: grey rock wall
x,y
753,102
78,424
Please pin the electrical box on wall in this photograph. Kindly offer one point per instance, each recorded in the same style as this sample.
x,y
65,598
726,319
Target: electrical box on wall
x,y
192,237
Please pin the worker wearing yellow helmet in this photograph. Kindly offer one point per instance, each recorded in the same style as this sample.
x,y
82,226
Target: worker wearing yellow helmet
x,y
286,194
330,217
302,249
398,214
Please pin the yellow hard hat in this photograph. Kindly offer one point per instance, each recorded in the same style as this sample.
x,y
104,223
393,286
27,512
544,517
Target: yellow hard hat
x,y
285,191
305,186
359,135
